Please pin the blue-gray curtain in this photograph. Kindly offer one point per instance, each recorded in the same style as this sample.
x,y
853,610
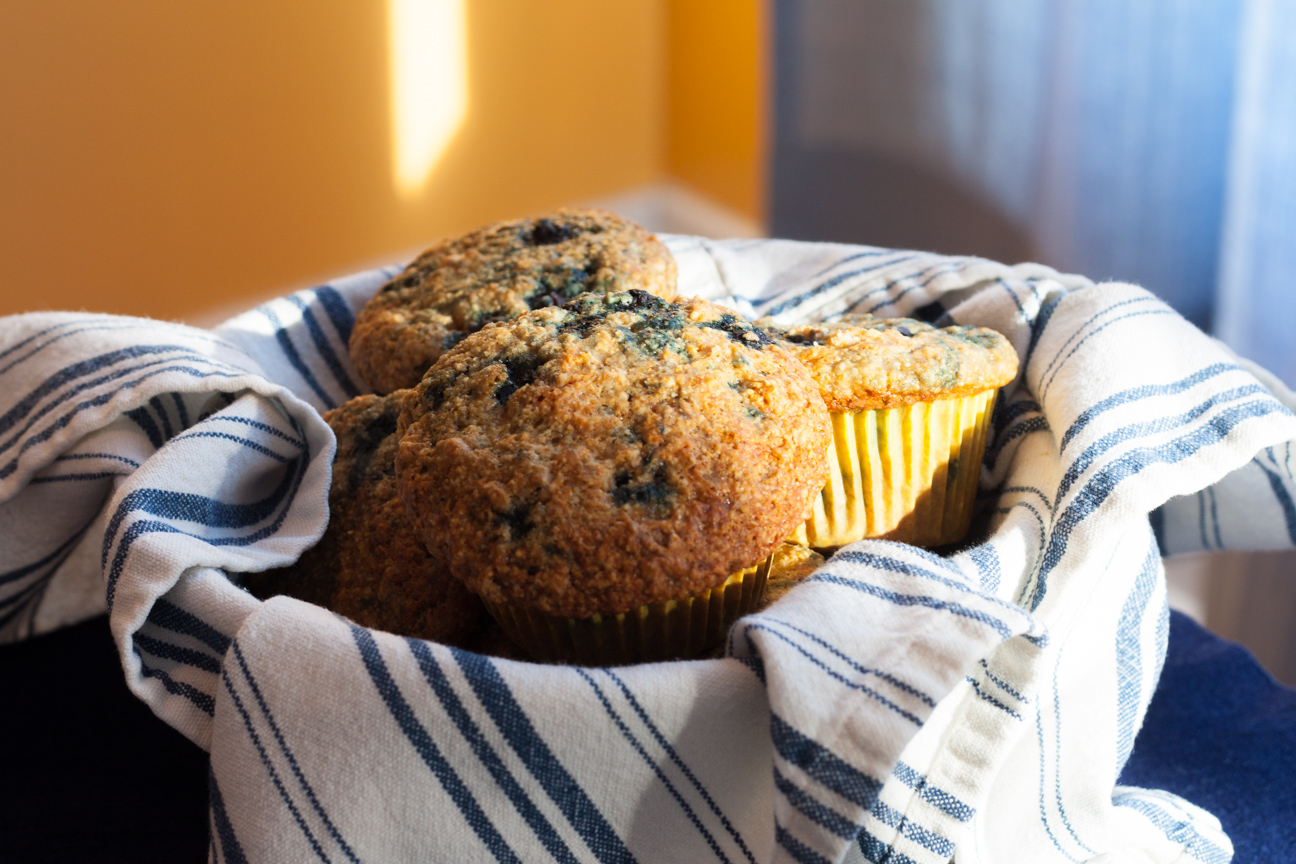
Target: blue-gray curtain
x,y
1256,308
1151,141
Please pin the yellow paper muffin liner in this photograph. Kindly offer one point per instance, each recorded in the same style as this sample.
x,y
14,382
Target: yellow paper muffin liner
x,y
907,474
670,630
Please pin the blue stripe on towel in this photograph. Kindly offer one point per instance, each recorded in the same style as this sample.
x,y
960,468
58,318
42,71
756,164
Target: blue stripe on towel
x,y
1106,479
1146,429
294,357
991,700
945,268
837,676
264,427
202,510
169,616
1003,685
1284,499
337,310
292,760
1137,394
27,600
160,409
914,600
231,849
1057,775
99,324
822,765
181,411
95,402
1178,830
813,809
32,338
238,439
177,654
324,349
89,366
680,764
986,559
661,775
1129,658
912,830
196,508
70,456
486,754
933,795
833,282
1081,328
428,751
1046,385
1007,412
802,853
854,664
875,850
203,701
516,727
898,565
65,478
141,418
60,552
270,769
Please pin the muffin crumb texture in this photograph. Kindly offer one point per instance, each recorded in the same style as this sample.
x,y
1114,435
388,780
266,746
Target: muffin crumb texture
x,y
497,273
862,362
370,566
618,451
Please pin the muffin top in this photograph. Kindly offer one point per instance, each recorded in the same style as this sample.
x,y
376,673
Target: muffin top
x,y
369,565
497,273
861,362
617,451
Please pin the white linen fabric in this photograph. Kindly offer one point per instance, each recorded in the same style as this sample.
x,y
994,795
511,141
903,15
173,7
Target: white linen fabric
x,y
900,706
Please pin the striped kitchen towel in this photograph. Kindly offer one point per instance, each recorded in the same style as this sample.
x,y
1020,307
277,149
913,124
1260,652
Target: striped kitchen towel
x,y
899,706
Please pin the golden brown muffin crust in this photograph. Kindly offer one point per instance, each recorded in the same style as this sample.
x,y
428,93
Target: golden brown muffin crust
x,y
497,273
370,566
618,451
862,362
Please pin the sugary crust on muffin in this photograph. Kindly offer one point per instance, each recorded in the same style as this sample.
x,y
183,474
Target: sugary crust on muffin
x,y
370,566
619,451
862,362
497,273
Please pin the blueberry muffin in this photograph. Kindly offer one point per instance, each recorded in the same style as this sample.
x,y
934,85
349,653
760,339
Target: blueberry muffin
x,y
369,565
911,406
590,462
497,273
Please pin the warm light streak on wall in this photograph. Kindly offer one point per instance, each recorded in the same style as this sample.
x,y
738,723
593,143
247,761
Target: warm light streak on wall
x,y
429,85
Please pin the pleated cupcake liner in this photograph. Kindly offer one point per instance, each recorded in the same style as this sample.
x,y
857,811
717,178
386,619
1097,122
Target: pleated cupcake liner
x,y
668,630
908,474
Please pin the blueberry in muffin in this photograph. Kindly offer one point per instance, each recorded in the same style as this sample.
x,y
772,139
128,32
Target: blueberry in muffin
x,y
497,273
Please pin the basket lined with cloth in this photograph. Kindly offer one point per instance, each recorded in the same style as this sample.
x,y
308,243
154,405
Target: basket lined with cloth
x,y
898,705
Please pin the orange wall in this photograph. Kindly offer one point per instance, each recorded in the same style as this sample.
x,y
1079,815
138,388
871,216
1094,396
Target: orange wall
x,y
161,158
716,99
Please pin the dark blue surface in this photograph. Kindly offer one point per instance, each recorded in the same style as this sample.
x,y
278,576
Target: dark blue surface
x,y
1221,732
89,774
